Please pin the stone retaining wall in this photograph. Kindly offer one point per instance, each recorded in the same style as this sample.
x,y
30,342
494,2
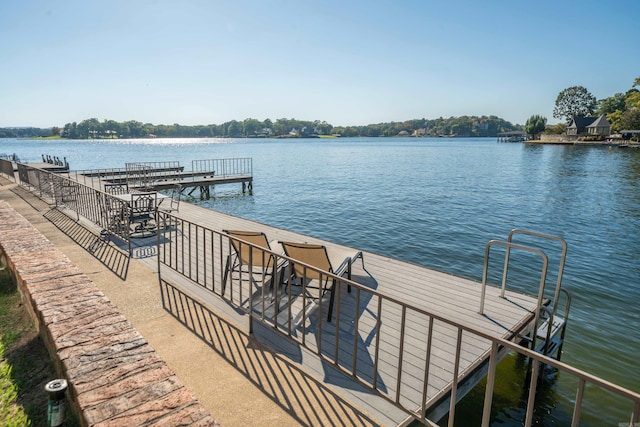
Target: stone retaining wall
x,y
115,377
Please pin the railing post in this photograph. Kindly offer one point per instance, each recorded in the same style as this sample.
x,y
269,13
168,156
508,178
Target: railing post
x,y
575,421
454,383
485,269
533,387
491,378
635,414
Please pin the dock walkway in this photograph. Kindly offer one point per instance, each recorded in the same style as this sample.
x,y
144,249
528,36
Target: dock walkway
x,y
159,176
440,294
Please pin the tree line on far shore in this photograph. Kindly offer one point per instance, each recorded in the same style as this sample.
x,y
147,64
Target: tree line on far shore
x,y
464,126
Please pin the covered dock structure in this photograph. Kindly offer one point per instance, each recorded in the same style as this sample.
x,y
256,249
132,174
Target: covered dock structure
x,y
512,136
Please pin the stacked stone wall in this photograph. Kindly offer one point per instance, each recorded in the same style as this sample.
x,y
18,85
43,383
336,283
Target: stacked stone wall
x,y
115,377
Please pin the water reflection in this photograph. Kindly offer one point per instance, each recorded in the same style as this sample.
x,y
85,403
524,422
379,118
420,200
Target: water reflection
x,y
510,399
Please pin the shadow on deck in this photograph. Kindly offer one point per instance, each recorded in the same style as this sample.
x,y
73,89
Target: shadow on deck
x,y
308,400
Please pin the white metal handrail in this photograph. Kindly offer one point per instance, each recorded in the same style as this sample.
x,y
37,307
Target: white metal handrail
x,y
543,276
563,258
224,167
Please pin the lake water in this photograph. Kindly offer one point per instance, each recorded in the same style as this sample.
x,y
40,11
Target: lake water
x,y
437,202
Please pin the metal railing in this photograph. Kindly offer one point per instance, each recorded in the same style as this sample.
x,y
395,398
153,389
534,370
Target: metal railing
x,y
544,312
37,180
144,174
6,168
106,211
96,178
381,362
224,167
563,258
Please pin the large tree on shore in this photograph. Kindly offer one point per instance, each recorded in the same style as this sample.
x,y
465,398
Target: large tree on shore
x,y
535,125
575,101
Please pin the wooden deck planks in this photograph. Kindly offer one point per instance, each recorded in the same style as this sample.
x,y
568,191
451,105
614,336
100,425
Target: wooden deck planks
x,y
442,294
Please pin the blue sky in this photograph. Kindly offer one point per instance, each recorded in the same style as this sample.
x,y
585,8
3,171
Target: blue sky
x,y
346,62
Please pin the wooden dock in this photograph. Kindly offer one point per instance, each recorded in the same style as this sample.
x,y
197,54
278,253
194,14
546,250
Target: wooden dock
x,y
189,181
159,176
441,294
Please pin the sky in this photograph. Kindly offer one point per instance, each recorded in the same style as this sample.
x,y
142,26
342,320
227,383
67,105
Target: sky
x,y
347,62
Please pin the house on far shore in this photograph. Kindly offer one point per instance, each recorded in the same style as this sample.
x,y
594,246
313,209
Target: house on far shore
x,y
420,132
589,127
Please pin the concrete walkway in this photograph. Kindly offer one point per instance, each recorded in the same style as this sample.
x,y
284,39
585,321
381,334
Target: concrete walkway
x,y
237,379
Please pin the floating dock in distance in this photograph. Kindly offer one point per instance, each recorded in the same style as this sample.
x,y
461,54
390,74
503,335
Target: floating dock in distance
x,y
514,136
202,183
158,176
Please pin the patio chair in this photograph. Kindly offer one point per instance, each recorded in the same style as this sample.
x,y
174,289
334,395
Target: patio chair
x,y
116,188
254,258
116,214
143,210
336,261
172,205
173,202
115,217
176,195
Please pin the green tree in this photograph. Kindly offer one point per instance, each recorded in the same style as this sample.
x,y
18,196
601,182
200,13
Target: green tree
x,y
575,101
69,131
234,129
630,120
111,128
632,101
614,118
535,125
136,129
89,128
251,126
611,104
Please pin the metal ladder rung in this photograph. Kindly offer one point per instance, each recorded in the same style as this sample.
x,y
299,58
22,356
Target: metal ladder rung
x,y
551,349
556,327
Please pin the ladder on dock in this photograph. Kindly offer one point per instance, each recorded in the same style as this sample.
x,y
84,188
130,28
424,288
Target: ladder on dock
x,y
549,326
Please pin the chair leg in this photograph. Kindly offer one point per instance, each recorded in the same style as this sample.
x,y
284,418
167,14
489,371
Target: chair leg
x,y
332,290
226,273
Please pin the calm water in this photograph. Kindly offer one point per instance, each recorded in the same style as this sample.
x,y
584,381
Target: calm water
x,y
437,202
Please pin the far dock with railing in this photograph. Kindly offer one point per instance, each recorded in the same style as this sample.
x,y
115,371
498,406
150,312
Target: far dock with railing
x,y
159,176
